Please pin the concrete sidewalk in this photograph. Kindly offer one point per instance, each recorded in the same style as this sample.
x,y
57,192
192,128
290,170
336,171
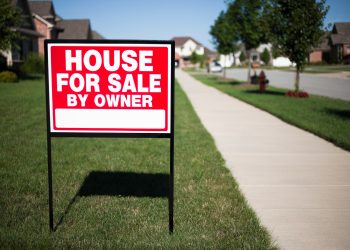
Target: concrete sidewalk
x,y
298,184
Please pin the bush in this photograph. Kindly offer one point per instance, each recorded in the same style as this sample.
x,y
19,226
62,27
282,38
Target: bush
x,y
33,64
242,57
265,56
8,76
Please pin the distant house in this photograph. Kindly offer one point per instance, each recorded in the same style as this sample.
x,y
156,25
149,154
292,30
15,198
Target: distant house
x,y
321,52
186,45
233,59
29,36
53,26
45,20
340,41
75,29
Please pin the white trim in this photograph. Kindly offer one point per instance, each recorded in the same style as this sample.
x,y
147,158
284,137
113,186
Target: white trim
x,y
49,25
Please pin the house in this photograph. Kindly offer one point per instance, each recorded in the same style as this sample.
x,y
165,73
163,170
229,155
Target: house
x,y
233,59
29,36
321,52
340,42
53,26
185,46
74,29
45,20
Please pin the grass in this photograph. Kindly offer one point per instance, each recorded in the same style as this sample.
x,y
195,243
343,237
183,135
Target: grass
x,y
112,192
326,68
326,117
318,69
311,68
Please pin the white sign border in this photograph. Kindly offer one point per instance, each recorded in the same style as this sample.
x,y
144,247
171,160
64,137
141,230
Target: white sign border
x,y
111,43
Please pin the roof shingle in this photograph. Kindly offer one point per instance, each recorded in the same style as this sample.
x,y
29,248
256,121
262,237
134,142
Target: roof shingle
x,y
181,40
341,33
42,8
74,29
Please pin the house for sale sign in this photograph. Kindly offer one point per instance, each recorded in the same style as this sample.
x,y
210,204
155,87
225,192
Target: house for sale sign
x,y
109,87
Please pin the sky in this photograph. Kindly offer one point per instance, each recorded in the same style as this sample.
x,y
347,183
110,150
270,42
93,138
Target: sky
x,y
162,19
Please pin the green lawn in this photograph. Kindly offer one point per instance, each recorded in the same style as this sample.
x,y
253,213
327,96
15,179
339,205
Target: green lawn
x,y
315,69
326,117
112,192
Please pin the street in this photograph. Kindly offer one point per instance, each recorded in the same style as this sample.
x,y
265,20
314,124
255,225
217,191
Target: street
x,y
312,83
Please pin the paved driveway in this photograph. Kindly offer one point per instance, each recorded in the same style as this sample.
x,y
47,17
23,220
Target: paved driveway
x,y
315,84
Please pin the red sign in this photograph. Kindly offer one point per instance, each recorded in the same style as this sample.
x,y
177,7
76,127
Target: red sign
x,y
109,87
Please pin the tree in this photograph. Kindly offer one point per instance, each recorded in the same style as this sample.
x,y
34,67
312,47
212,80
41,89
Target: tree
x,y
275,51
296,26
10,18
242,57
249,16
224,36
265,56
194,58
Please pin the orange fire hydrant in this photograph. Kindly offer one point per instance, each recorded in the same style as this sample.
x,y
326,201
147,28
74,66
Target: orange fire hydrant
x,y
262,81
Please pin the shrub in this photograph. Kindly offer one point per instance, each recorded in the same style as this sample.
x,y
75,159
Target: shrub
x,y
242,57
8,76
33,64
265,56
301,94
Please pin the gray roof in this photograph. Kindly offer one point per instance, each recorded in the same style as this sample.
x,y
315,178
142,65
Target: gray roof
x,y
209,52
96,35
74,29
343,28
181,40
42,8
27,20
324,43
341,33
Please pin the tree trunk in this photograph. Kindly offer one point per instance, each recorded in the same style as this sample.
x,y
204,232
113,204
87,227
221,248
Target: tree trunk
x,y
297,80
249,66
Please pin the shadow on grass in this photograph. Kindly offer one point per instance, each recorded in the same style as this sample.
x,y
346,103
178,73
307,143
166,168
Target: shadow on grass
x,y
228,82
31,77
344,114
120,184
267,92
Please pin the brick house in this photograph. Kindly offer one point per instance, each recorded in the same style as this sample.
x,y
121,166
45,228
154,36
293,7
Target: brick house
x,y
29,37
322,52
340,42
53,26
45,20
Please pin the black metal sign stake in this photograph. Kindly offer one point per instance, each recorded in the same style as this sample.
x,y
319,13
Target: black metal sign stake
x,y
171,187
49,175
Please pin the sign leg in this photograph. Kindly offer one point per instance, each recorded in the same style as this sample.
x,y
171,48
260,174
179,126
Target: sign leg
x,y
49,173
171,186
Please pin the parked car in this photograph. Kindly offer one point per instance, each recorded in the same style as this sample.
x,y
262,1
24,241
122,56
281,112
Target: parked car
x,y
215,67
